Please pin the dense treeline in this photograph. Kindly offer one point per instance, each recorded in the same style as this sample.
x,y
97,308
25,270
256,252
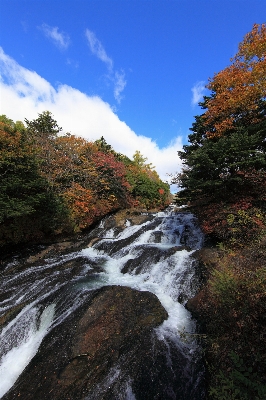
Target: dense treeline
x,y
53,183
224,180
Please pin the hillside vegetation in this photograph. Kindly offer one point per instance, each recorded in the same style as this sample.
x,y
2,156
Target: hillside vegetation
x,y
224,181
60,184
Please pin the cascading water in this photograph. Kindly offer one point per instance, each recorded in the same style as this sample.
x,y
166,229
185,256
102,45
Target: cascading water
x,y
154,256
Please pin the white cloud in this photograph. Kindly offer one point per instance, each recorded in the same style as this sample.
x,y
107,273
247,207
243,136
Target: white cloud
x,y
97,49
120,84
198,90
60,39
72,63
26,94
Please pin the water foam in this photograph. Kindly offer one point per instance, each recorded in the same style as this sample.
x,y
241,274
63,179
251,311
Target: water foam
x,y
30,338
164,277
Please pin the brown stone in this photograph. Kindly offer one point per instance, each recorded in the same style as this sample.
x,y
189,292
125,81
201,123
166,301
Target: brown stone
x,y
77,355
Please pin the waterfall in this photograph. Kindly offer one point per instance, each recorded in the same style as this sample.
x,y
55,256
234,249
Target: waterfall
x,y
153,256
28,338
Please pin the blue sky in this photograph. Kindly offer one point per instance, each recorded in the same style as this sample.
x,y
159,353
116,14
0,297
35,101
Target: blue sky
x,y
130,70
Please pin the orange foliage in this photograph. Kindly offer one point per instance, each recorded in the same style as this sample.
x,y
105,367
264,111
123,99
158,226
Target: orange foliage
x,y
11,143
91,182
80,202
239,88
69,181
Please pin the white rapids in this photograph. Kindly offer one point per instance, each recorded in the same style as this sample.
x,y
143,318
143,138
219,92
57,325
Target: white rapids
x,y
29,338
154,256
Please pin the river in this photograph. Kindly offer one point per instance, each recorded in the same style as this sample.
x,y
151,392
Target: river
x,y
153,256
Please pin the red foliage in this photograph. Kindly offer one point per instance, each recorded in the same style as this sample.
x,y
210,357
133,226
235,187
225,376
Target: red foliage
x,y
243,204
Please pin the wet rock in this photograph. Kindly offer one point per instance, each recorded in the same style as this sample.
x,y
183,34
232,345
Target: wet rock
x,y
10,314
149,255
136,217
156,237
191,235
194,304
185,235
208,256
206,259
93,241
51,251
33,254
109,332
113,246
59,272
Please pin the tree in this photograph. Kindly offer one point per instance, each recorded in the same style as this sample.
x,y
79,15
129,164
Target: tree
x,y
221,168
227,147
140,161
18,125
43,131
225,160
147,188
44,126
24,199
239,91
62,182
104,146
72,162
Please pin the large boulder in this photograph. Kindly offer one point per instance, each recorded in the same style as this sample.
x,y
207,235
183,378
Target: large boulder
x,y
110,334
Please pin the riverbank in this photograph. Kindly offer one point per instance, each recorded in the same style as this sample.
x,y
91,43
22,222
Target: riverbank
x,y
231,310
50,245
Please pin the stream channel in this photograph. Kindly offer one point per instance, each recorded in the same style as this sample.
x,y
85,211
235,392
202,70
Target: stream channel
x,y
132,284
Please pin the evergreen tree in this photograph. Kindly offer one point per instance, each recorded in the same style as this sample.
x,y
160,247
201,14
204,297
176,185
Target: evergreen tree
x,y
226,154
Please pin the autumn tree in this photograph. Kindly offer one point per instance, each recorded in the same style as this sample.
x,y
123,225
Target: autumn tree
x,y
225,159
72,162
24,199
53,182
111,177
140,161
147,188
238,92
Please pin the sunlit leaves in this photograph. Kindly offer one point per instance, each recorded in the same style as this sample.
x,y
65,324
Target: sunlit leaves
x,y
237,91
80,202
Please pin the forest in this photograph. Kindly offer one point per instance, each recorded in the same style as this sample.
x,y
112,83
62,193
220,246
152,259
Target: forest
x,y
224,182
57,184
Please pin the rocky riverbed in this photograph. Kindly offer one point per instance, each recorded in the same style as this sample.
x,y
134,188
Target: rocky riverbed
x,y
108,333
107,342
